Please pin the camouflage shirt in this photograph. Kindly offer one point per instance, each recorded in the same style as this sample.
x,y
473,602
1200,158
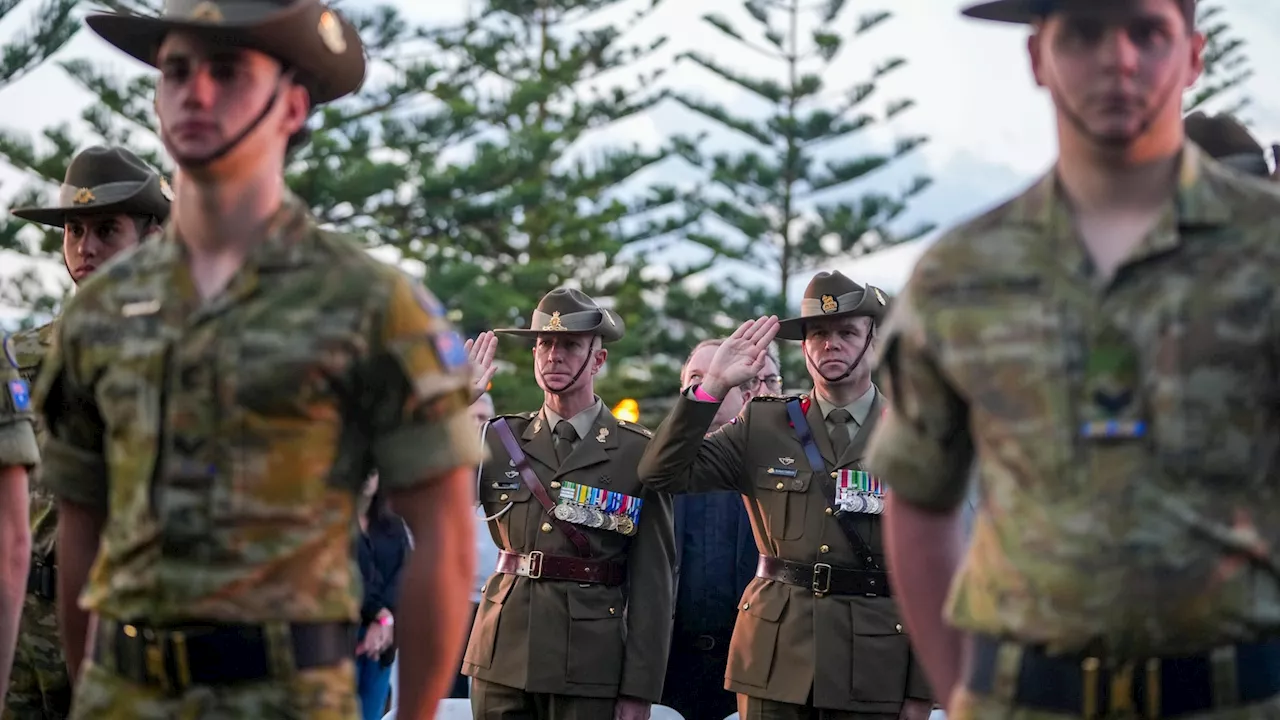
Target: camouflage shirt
x,y
17,430
29,348
227,439
1124,430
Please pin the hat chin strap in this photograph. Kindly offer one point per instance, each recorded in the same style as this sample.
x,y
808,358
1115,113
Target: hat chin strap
x,y
568,385
852,366
192,162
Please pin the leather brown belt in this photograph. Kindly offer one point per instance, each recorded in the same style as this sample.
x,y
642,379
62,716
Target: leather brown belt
x,y
174,658
824,579
540,566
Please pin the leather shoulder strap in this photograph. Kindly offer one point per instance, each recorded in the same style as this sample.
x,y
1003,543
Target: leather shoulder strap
x,y
844,519
532,482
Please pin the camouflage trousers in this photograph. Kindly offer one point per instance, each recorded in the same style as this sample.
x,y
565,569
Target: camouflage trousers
x,y
327,693
965,705
38,685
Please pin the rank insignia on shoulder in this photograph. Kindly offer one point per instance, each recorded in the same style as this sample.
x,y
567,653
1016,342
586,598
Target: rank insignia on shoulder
x,y
638,429
20,393
781,472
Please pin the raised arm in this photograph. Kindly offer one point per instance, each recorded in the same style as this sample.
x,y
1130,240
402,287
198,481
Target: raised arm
x,y
679,459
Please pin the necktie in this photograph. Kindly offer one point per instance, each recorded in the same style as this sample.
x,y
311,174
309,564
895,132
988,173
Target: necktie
x,y
840,433
564,435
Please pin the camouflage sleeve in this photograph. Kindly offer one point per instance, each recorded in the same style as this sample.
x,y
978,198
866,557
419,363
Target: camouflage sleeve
x,y
419,382
17,420
74,463
922,447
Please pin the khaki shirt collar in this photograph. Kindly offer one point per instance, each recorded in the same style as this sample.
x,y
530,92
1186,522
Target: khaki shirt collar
x,y
582,422
859,408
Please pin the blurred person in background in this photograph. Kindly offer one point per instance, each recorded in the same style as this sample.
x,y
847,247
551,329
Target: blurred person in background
x,y
716,558
384,545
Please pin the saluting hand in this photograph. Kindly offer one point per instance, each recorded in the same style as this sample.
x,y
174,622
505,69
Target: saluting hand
x,y
480,352
741,357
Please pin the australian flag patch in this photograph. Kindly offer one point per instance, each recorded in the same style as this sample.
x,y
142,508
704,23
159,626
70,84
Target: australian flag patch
x,y
20,392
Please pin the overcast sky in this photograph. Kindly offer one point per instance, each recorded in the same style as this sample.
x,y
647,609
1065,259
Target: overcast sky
x,y
990,129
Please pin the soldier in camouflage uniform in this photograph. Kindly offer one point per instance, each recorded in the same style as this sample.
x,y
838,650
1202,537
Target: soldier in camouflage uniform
x,y
18,456
1103,348
214,401
110,200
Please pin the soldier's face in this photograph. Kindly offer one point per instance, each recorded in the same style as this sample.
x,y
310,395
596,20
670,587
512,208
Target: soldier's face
x,y
208,95
696,369
88,241
1117,69
560,356
831,346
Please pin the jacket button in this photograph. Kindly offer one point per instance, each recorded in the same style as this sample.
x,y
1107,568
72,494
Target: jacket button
x,y
546,527
612,611
835,475
831,511
825,549
503,497
746,606
780,485
555,484
898,627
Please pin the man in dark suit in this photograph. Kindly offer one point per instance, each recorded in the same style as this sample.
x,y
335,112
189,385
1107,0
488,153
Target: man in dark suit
x,y
715,560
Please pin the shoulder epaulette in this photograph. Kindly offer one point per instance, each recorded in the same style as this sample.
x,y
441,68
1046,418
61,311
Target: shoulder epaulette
x,y
637,429
776,398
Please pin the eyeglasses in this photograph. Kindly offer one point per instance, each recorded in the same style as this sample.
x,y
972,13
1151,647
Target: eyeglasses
x,y
772,383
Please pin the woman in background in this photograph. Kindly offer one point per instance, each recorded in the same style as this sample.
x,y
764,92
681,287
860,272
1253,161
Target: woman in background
x,y
383,546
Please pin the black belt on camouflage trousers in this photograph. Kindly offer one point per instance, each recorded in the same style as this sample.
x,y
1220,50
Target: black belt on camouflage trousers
x,y
1151,688
177,657
42,580
824,579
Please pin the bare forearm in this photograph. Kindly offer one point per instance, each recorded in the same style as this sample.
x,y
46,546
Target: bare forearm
x,y
79,531
437,586
15,555
924,550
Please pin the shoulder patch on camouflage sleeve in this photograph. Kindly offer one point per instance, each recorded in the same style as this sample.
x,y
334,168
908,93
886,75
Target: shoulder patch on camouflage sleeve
x,y
637,429
449,345
27,348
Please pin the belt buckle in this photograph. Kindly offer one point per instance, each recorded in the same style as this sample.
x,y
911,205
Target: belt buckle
x,y
821,579
156,648
535,565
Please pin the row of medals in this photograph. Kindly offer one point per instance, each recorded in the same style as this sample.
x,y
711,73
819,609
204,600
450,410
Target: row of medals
x,y
595,518
864,503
